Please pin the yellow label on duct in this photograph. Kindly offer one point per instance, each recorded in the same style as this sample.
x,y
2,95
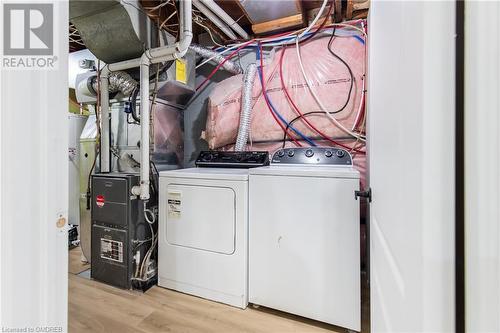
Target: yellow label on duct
x,y
180,71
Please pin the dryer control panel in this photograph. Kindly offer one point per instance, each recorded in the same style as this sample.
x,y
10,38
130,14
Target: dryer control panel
x,y
232,159
312,155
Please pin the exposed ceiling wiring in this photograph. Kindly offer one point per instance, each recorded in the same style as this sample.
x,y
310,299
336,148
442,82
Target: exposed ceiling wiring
x,y
310,84
209,31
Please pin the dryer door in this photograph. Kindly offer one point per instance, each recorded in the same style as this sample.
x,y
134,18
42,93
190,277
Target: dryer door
x,y
201,217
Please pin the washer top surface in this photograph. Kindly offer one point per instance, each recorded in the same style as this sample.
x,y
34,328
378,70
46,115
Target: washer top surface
x,y
322,171
208,173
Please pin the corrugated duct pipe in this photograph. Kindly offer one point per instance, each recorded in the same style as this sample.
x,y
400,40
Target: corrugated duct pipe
x,y
119,82
246,107
206,53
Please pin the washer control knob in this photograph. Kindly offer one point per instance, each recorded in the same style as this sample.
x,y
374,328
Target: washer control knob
x,y
340,153
309,153
281,153
291,153
328,153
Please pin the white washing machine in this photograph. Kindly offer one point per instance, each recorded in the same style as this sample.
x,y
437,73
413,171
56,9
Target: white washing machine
x,y
304,247
203,233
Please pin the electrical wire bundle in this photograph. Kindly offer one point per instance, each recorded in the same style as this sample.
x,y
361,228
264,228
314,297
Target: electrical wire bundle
x,y
289,130
298,37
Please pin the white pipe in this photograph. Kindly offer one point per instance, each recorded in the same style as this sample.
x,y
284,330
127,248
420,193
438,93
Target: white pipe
x,y
144,106
179,49
105,144
105,131
225,17
149,57
120,66
152,56
215,19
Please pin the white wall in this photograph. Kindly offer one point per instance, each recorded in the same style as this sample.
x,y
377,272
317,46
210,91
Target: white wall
x,y
33,191
482,135
411,156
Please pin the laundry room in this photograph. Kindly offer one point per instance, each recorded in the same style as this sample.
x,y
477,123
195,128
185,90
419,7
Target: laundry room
x,y
248,102
247,166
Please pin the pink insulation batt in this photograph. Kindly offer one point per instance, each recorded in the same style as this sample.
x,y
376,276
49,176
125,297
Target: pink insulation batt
x,y
329,78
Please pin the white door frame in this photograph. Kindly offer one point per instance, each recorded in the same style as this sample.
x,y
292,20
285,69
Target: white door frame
x,y
482,166
411,138
33,188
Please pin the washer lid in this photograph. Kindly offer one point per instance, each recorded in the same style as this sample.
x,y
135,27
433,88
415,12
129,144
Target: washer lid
x,y
307,171
208,173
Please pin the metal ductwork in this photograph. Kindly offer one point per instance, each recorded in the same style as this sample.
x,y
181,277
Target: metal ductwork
x,y
119,82
86,85
228,65
113,30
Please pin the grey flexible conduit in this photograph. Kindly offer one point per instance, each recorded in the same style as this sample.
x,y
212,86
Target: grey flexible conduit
x,y
246,107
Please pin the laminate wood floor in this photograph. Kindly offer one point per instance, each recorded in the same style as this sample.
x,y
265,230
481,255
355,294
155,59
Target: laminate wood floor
x,y
96,307
75,264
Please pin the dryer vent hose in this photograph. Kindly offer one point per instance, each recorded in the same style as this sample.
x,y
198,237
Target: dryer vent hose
x,y
246,107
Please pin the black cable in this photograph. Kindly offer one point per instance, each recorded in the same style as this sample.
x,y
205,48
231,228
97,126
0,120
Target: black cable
x,y
153,175
163,69
135,93
133,105
329,47
460,189
330,42
155,168
96,153
131,122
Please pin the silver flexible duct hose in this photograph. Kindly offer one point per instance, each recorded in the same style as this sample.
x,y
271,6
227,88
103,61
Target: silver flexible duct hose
x,y
119,81
229,65
246,107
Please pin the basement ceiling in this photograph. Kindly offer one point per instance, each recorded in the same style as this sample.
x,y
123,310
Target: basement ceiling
x,y
257,17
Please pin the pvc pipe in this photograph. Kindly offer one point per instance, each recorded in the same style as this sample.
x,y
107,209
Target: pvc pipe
x,y
150,57
105,133
120,66
186,16
225,17
144,74
179,49
215,19
105,130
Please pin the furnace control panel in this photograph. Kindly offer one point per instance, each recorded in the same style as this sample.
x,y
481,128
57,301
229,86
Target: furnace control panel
x,y
312,155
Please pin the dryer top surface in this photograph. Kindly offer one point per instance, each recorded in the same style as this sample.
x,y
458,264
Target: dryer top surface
x,y
208,173
320,171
